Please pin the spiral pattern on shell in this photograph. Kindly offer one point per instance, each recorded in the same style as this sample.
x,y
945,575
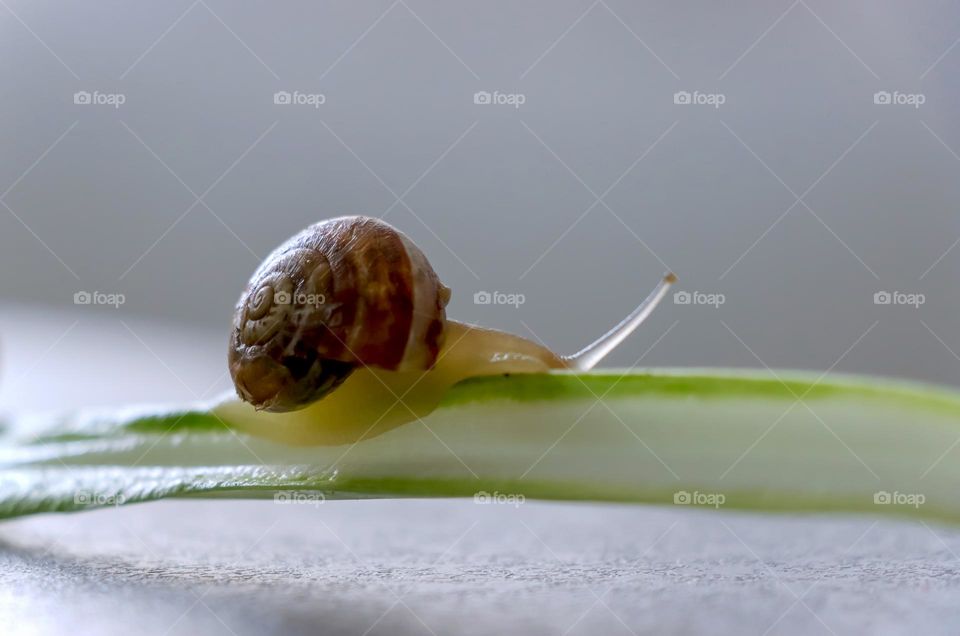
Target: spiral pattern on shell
x,y
343,293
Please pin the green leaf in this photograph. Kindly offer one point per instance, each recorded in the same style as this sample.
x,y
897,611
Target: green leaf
x,y
715,439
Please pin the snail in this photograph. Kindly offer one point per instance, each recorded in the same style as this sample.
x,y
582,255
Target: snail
x,y
341,334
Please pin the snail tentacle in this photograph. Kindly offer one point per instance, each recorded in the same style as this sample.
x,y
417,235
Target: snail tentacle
x,y
588,357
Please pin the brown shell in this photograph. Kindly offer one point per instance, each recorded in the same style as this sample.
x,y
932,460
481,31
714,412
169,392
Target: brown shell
x,y
342,293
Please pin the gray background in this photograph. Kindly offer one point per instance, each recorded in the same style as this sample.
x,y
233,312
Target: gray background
x,y
103,199
496,189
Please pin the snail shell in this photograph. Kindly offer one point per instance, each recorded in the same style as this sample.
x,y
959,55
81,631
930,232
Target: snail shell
x,y
345,292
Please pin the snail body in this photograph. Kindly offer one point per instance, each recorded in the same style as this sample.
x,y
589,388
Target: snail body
x,y
341,334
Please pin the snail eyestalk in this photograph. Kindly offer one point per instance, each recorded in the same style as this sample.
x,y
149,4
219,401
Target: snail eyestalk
x,y
592,354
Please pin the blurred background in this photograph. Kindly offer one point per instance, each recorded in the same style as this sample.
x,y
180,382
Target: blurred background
x,y
787,160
